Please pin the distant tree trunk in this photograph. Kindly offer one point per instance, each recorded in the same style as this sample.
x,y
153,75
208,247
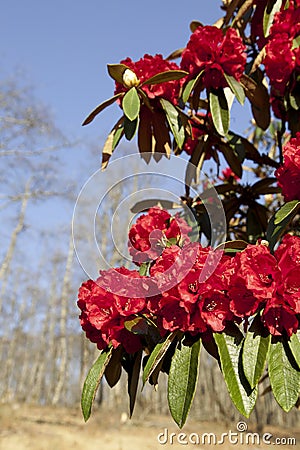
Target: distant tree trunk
x,y
5,266
63,347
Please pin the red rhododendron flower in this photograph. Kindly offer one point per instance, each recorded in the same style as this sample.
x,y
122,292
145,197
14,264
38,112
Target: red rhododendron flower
x,y
104,313
215,53
279,62
261,280
288,253
215,310
288,174
151,233
228,175
279,317
147,67
198,297
257,271
192,142
281,56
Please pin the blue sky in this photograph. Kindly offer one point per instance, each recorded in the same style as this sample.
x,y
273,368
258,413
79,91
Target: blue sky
x,y
63,47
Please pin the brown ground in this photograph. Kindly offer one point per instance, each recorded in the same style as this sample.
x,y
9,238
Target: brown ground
x,y
38,428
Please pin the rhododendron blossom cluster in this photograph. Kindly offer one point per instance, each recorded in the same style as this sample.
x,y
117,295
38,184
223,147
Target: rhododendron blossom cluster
x,y
199,289
215,53
147,67
282,60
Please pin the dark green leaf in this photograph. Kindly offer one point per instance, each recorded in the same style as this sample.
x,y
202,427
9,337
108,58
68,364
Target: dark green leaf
x,y
196,160
284,375
190,86
256,222
138,325
231,206
133,379
174,120
145,138
176,54
294,343
100,108
261,187
280,220
161,133
235,246
130,127
236,88
259,98
219,111
116,71
163,77
144,205
131,104
230,344
182,381
194,25
114,367
157,354
92,382
255,351
271,9
231,158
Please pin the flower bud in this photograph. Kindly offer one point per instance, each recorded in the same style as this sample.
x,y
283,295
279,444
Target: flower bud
x,y
130,79
264,242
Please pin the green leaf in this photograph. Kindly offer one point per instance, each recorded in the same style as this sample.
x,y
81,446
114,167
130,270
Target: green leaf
x,y
294,101
112,141
163,77
236,88
144,269
271,9
119,132
92,382
130,127
131,104
280,220
100,108
294,344
182,381
219,111
255,351
229,344
157,354
231,158
116,71
174,120
296,42
190,86
284,375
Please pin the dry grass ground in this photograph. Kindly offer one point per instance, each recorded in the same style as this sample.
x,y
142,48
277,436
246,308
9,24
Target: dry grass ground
x,y
45,428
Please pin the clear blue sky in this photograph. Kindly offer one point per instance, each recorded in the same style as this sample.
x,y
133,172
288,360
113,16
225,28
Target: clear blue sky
x,y
63,47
